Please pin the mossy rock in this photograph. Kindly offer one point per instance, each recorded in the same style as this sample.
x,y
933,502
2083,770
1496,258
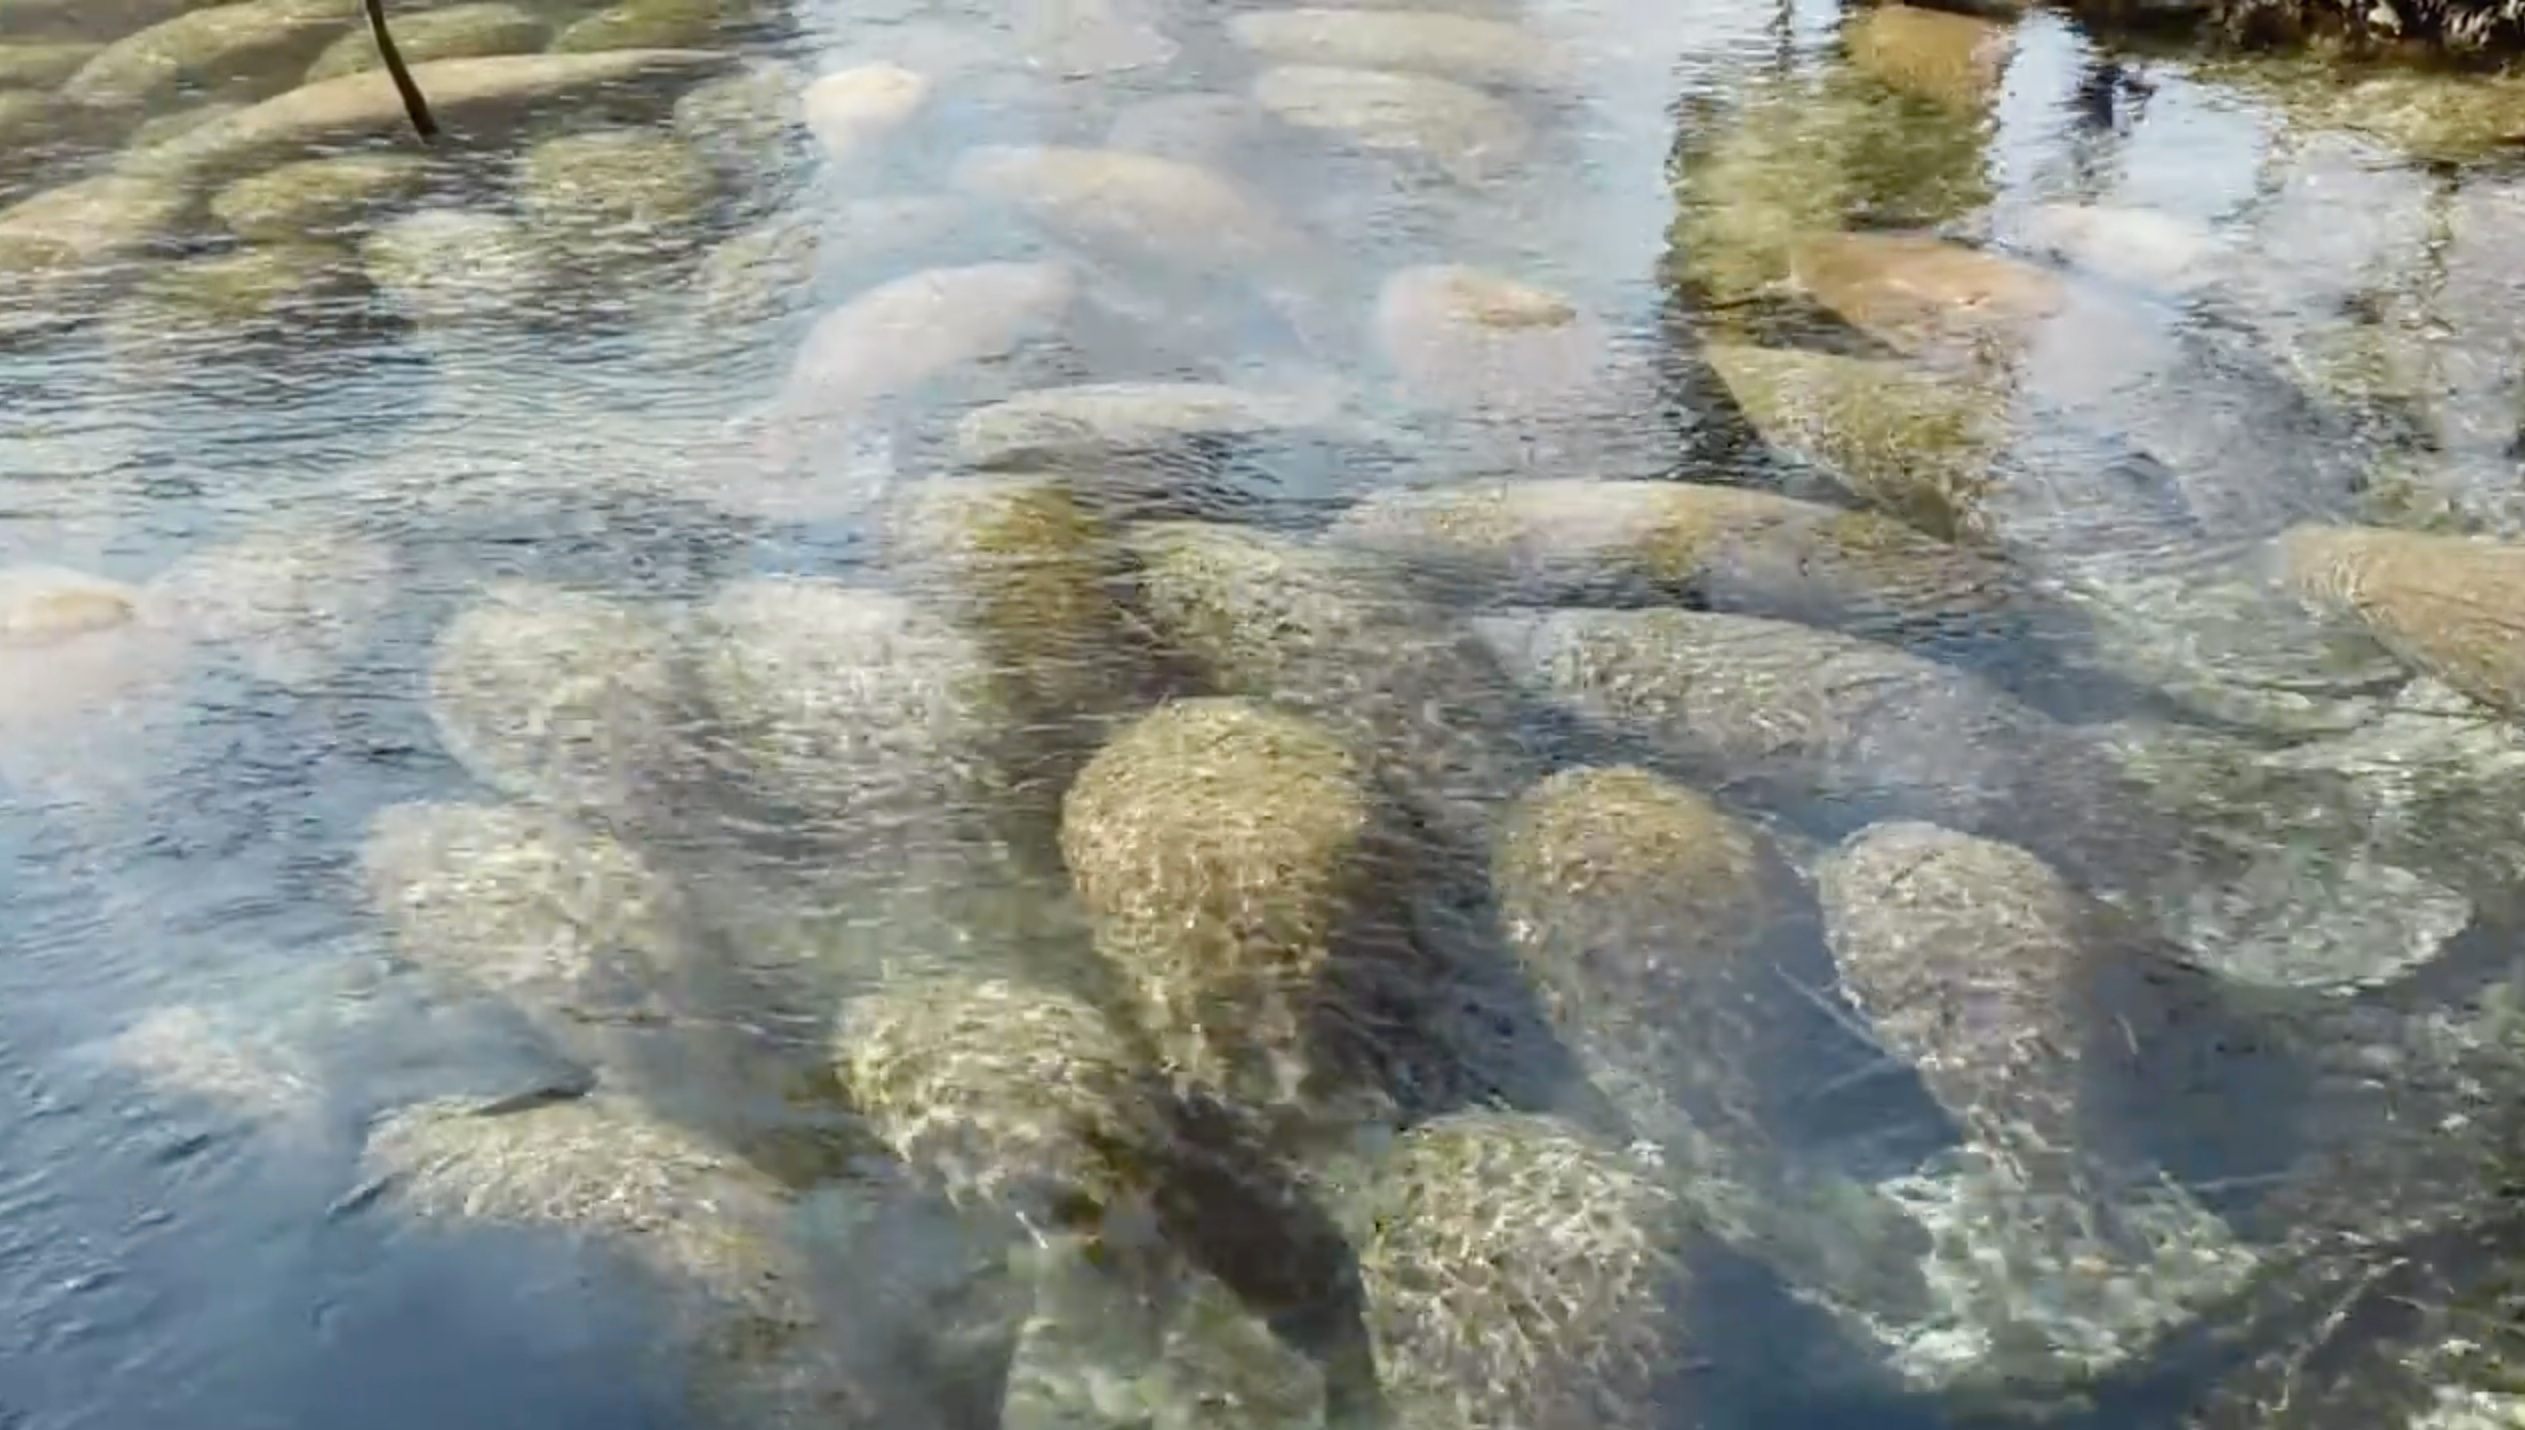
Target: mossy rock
x,y
1007,1095
258,47
1215,844
562,921
2451,606
872,718
1516,1273
614,189
318,198
660,24
1647,918
456,32
442,266
548,694
1911,443
38,64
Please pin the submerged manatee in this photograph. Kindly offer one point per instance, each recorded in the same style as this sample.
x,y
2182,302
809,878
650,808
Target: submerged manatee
x,y
1138,206
1217,846
1460,130
2453,607
875,720
604,1168
570,925
1948,59
1517,1274
1733,549
315,198
1462,46
1836,725
259,43
454,32
1012,1096
1420,704
851,111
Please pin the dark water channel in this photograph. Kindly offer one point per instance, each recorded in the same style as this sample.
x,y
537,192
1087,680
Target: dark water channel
x,y
1115,713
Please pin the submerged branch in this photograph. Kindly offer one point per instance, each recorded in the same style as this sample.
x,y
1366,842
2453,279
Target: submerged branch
x,y
413,102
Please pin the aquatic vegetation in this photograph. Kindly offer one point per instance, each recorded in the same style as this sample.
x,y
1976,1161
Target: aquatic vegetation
x,y
1462,131
1516,1274
1017,1097
1216,845
548,694
2451,607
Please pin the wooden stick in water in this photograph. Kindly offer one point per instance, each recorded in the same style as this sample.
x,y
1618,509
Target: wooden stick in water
x,y
413,103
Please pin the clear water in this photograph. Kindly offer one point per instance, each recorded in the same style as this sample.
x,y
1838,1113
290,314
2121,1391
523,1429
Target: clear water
x,y
189,1236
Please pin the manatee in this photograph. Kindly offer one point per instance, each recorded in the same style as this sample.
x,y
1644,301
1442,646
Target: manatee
x,y
1005,1095
1948,59
1454,127
230,46
1461,47
1840,728
1923,294
1137,206
604,1168
317,198
851,111
1912,443
1080,38
662,23
2450,606
1332,636
1217,845
454,32
1487,344
875,720
41,64
1094,420
1516,1273
1733,549
292,601
448,267
545,693
571,926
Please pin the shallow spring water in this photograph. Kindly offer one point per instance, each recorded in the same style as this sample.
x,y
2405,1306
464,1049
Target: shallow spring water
x,y
431,726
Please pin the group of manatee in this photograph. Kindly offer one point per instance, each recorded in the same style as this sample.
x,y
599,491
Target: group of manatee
x,y
1368,968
